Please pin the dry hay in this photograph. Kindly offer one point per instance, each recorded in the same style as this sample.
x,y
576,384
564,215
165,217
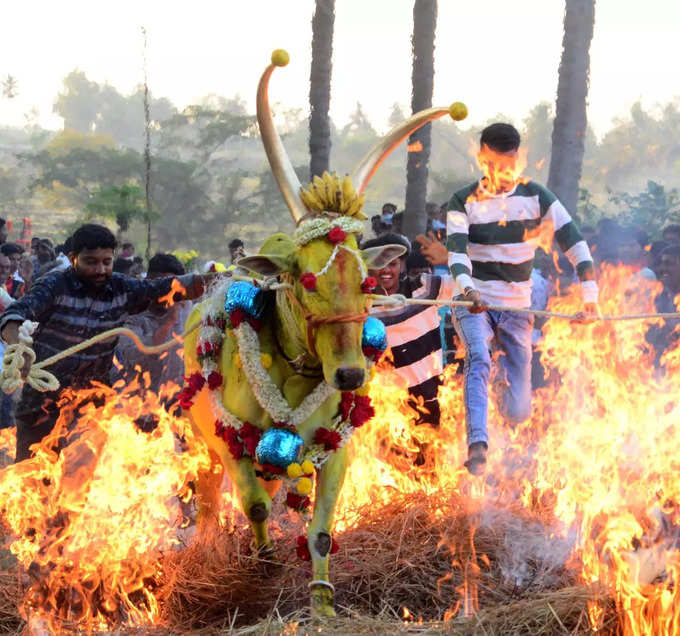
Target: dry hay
x,y
416,552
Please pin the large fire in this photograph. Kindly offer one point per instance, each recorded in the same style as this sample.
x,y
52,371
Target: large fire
x,y
89,524
596,465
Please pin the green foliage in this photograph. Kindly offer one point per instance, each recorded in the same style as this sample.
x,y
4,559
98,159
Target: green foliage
x,y
650,209
210,179
123,204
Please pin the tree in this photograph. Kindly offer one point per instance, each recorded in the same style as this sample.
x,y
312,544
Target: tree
x,y
569,131
123,204
320,87
9,87
419,143
396,115
78,103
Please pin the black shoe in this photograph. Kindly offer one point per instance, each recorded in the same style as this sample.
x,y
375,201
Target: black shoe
x,y
476,462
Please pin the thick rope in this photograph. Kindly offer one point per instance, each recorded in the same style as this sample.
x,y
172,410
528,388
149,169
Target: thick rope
x,y
41,380
399,300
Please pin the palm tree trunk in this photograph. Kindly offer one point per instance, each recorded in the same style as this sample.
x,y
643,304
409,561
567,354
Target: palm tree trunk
x,y
419,143
320,86
147,155
569,130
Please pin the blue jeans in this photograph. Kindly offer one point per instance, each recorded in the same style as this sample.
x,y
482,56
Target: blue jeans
x,y
512,334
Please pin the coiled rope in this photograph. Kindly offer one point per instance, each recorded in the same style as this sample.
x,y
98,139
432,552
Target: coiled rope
x,y
42,380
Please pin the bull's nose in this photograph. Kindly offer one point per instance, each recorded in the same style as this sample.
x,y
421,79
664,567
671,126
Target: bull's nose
x,y
349,378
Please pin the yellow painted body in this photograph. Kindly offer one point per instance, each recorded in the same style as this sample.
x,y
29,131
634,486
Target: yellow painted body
x,y
338,345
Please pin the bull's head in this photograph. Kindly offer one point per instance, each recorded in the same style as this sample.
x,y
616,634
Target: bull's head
x,y
328,298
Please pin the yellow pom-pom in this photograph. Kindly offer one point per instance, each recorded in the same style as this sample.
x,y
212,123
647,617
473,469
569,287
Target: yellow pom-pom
x,y
294,470
307,467
237,360
280,57
266,360
220,268
304,485
458,111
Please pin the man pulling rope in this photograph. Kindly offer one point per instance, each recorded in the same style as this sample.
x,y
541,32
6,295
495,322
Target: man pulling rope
x,y
70,307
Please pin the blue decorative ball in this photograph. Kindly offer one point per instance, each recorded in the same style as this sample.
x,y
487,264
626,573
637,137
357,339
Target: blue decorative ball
x,y
374,334
249,298
278,446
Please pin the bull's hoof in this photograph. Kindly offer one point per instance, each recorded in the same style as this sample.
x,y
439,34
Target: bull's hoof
x,y
322,600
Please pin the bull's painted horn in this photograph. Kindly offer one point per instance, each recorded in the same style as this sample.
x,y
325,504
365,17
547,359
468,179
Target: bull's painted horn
x,y
280,164
376,155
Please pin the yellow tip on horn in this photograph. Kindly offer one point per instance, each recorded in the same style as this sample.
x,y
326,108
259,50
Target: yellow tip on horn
x,y
280,57
458,111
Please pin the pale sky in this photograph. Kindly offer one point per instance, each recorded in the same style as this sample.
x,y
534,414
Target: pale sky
x,y
498,56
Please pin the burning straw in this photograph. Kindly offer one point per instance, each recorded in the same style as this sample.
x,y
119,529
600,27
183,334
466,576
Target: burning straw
x,y
397,568
575,526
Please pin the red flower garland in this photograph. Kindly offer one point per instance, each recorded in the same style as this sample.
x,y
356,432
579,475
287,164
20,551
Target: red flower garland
x,y
236,317
271,469
330,440
250,435
308,281
346,403
185,398
336,235
302,548
241,443
215,380
372,353
369,284
297,502
195,381
362,411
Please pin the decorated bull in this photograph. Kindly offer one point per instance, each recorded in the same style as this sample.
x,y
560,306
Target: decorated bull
x,y
276,378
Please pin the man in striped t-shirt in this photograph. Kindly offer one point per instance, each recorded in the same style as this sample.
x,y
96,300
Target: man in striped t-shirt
x,y
493,228
413,333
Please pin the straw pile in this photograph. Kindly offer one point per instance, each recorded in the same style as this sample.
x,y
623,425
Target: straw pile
x,y
427,554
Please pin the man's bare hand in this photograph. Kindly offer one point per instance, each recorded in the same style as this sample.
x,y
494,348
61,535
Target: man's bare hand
x,y
10,334
433,250
473,296
590,313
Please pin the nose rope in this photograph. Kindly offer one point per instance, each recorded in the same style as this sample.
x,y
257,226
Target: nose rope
x,y
313,321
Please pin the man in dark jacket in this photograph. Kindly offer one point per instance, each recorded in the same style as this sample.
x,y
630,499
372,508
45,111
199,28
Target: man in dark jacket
x,y
72,306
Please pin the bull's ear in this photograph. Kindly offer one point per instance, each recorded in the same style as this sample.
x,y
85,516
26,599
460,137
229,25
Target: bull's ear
x,y
378,257
276,255
264,264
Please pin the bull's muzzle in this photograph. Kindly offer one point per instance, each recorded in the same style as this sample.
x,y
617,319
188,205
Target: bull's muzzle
x,y
349,378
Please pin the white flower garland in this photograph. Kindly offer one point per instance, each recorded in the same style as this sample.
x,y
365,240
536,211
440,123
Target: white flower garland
x,y
320,226
334,253
267,394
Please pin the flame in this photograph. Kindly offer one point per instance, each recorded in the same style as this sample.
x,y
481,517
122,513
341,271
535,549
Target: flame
x,y
600,472
89,524
177,292
595,466
416,146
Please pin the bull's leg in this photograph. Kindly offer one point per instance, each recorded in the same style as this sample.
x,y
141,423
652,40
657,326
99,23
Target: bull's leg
x,y
208,494
255,501
328,487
